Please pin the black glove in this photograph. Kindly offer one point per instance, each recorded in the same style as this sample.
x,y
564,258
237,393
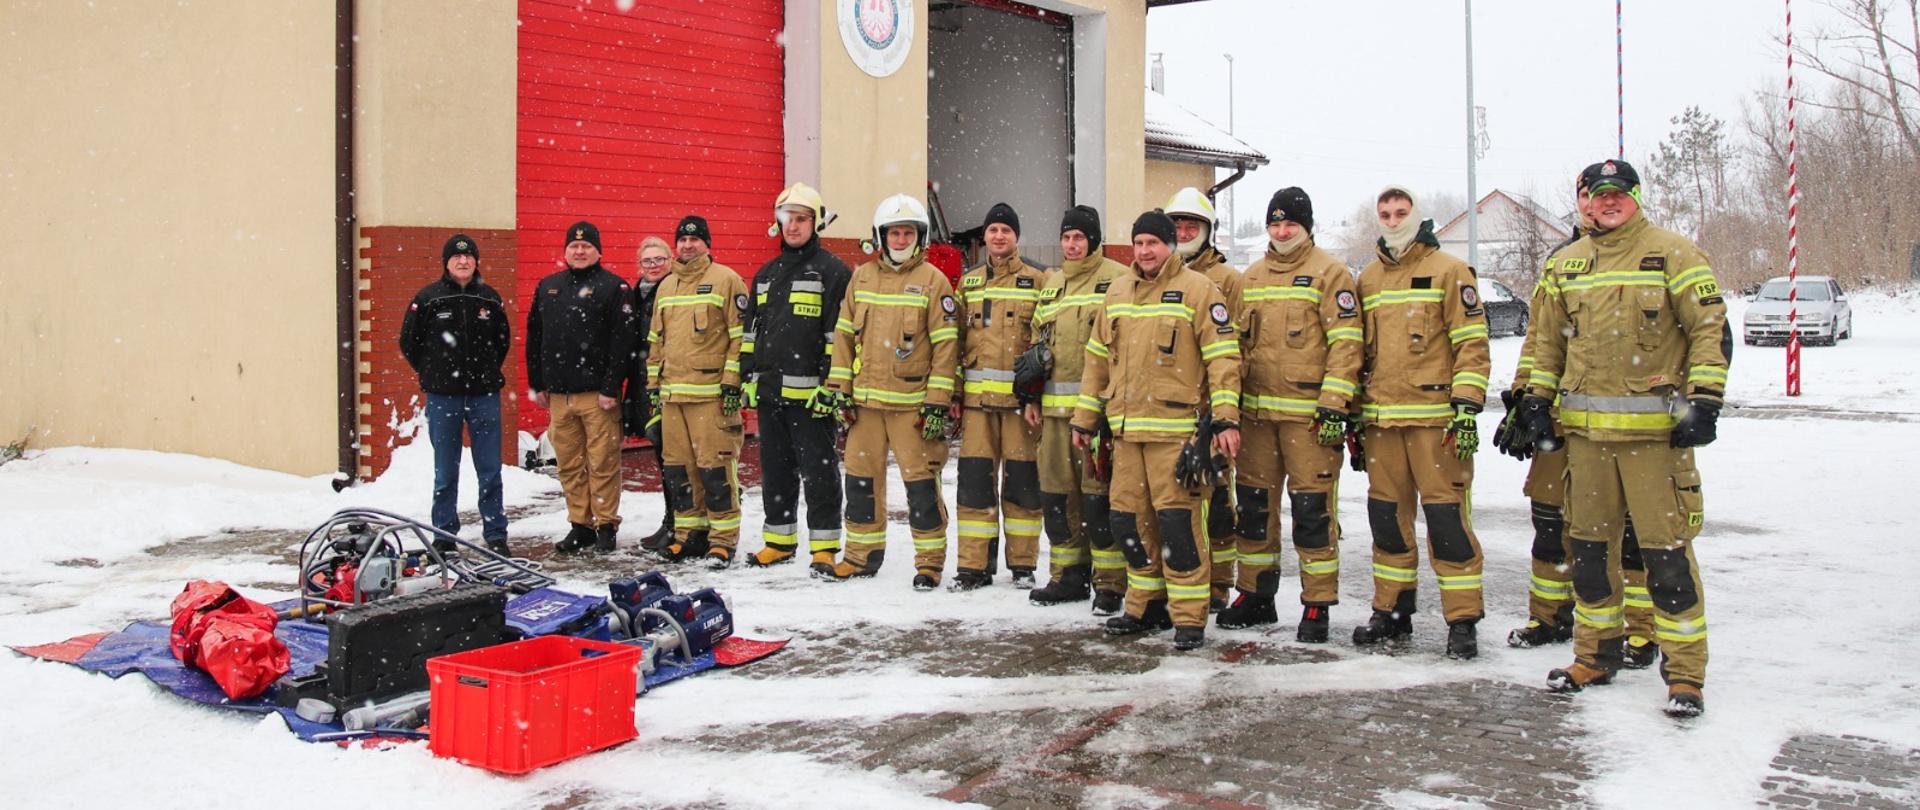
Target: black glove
x,y
1357,442
1534,427
1197,465
1030,372
653,430
1329,426
1503,433
1698,427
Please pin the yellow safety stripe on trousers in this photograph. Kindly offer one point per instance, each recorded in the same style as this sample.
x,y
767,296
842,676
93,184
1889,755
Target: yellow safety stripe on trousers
x,y
1280,294
1021,526
724,524
1340,333
1394,574
1667,629
1552,590
787,538
691,389
1637,597
1225,555
940,382
1262,402
1690,277
1063,555
1463,582
689,521
930,543
867,538
1146,424
1598,616
827,544
864,393
710,299
1374,413
843,325
1096,348
943,334
1345,388
1403,297
1141,582
1149,310
1257,560
1470,378
880,299
1109,560
1615,278
1219,348
1196,593
1463,334
1321,567
1087,403
1707,374
1222,399
979,528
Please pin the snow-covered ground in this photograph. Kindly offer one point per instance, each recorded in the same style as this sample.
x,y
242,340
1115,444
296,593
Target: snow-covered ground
x,y
1806,559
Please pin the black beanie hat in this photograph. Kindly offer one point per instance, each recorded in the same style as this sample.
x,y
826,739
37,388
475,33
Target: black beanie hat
x,y
1003,214
583,231
1291,204
1082,218
1610,174
457,245
696,226
1155,223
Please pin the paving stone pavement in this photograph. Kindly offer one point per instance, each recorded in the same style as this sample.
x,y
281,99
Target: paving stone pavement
x,y
1820,771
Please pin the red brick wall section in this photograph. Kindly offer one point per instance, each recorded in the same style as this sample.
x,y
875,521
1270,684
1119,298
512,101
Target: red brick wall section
x,y
395,262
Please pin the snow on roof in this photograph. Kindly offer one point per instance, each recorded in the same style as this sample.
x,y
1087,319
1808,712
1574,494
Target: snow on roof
x,y
1174,133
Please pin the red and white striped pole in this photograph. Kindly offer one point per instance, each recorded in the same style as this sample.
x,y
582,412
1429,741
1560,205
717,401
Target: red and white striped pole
x,y
1793,225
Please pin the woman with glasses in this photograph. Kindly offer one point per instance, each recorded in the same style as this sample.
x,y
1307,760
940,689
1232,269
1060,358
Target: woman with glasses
x,y
654,260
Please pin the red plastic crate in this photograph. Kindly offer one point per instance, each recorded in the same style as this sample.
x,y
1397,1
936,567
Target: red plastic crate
x,y
517,707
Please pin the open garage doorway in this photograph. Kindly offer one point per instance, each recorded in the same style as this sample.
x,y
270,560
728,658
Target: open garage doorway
x,y
1000,118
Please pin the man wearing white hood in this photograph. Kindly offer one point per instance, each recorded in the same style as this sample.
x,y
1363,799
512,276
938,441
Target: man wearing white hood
x,y
1425,380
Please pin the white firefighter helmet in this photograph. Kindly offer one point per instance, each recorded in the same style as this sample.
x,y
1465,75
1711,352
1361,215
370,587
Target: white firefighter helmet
x,y
900,209
1190,202
801,195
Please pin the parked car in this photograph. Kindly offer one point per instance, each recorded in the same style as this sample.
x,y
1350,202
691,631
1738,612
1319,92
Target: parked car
x,y
1507,314
1823,314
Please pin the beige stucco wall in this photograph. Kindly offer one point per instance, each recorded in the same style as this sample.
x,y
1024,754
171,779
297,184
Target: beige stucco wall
x,y
1164,177
1126,113
434,112
873,132
167,277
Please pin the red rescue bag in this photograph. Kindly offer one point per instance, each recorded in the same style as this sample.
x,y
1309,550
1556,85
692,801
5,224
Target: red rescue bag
x,y
227,636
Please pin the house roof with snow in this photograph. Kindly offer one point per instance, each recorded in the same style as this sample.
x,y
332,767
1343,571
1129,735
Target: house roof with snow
x,y
1176,134
1508,212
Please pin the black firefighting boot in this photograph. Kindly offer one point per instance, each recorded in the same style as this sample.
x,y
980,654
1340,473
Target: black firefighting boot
x,y
846,569
1189,637
579,539
1022,578
967,579
1536,634
1685,700
1388,625
1070,587
692,546
498,545
661,537
1577,677
606,538
1250,610
1107,603
1639,653
1463,642
1313,625
1151,620
924,582
1217,598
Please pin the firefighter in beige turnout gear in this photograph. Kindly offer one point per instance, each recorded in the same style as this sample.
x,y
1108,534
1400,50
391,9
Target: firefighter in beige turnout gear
x,y
997,445
1163,350
1635,344
693,372
1301,348
1425,381
1074,501
1194,225
892,378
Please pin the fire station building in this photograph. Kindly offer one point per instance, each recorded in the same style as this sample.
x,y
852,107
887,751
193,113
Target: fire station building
x,y
218,211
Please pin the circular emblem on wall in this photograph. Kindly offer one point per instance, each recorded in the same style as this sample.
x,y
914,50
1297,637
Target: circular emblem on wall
x,y
878,34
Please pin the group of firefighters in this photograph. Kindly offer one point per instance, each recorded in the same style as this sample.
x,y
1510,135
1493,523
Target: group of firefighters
x,y
1147,417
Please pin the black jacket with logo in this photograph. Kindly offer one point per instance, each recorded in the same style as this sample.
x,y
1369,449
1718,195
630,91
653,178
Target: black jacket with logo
x,y
456,338
633,406
790,317
579,333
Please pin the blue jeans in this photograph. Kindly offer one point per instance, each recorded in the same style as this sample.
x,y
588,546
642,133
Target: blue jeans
x,y
480,415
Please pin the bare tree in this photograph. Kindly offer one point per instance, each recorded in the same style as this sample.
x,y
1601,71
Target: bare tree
x,y
1872,56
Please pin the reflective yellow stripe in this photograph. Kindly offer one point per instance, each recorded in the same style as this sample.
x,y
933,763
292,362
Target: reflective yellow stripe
x,y
800,298
988,387
1392,574
689,521
890,397
1152,425
825,544
1002,294
1464,582
723,524
1189,592
732,367
1552,590
1225,555
1543,378
976,528
1087,403
1403,297
1021,526
1067,556
1617,278
1259,560
930,543
782,538
1689,277
1667,629
796,393
1341,333
1219,349
1149,310
746,346
1338,386
843,325
942,383
1616,421
1382,412
1141,582
1096,348
1637,598
1058,400
709,299
943,334
1321,567
1707,374
1280,294
1601,617
1470,378
840,373
867,538
653,337
1526,362
880,299
1261,402
1109,560
1468,332
691,389
1222,399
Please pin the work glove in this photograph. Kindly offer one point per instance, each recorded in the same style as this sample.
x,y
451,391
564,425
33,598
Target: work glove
x,y
1357,442
1503,433
1463,431
822,402
1329,427
1698,427
653,401
750,393
1534,427
1198,466
933,422
729,400
1030,372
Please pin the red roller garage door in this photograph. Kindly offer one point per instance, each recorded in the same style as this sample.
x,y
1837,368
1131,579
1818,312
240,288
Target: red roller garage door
x,y
635,118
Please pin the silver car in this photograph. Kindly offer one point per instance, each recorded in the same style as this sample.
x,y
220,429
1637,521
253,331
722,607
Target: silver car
x,y
1822,311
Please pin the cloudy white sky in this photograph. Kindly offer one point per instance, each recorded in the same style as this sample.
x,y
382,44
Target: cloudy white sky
x,y
1345,97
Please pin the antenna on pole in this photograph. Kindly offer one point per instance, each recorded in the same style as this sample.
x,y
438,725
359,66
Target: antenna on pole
x,y
1473,150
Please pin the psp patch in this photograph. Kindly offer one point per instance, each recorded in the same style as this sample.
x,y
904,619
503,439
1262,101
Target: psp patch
x,y
1469,296
1706,289
1219,313
740,302
1049,293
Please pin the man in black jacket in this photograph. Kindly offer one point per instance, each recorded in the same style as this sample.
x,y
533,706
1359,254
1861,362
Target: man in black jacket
x,y
456,336
788,347
579,344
